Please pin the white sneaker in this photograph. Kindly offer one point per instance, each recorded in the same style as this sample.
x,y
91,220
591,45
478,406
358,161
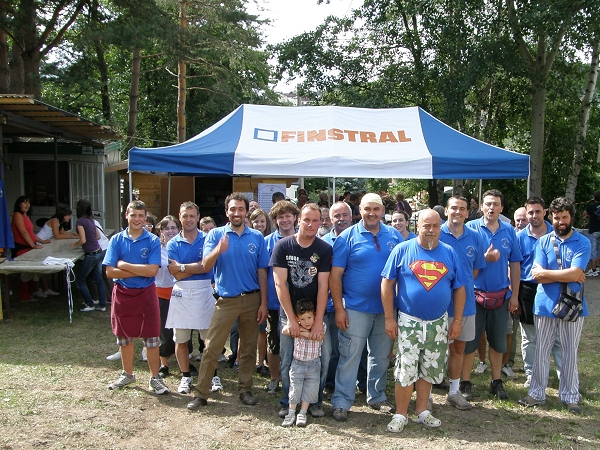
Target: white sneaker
x,y
591,273
481,368
50,292
115,356
185,385
144,358
458,401
215,385
157,385
222,358
527,383
190,356
508,372
39,294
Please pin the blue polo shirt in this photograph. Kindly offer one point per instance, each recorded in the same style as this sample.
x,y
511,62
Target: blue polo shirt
x,y
355,250
236,270
144,250
183,252
410,236
426,278
527,244
471,253
330,239
273,300
494,276
574,252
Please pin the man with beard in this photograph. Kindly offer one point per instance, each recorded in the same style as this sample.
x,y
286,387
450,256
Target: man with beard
x,y
284,214
493,286
528,239
341,216
424,276
240,259
301,265
326,224
359,255
560,257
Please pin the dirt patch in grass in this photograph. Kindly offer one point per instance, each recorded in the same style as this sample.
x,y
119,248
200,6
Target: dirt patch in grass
x,y
54,395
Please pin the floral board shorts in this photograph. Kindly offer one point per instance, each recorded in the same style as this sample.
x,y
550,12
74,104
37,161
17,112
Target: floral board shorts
x,y
422,349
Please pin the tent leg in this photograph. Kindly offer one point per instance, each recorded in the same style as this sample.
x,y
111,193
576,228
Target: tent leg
x,y
168,194
130,186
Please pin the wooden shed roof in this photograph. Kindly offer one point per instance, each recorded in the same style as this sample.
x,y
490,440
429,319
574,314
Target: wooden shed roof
x,y
23,116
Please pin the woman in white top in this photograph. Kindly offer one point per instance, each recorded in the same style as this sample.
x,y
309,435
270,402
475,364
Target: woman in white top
x,y
55,227
168,228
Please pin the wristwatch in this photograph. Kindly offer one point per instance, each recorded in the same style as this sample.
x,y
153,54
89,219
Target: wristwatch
x,y
182,268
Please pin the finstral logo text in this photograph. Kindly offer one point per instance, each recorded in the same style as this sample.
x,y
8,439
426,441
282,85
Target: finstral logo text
x,y
333,134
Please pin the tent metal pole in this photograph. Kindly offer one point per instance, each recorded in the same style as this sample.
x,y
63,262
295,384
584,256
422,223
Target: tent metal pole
x,y
130,186
334,194
480,185
169,194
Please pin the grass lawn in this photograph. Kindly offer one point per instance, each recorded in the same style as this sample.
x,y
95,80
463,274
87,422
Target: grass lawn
x,y
53,395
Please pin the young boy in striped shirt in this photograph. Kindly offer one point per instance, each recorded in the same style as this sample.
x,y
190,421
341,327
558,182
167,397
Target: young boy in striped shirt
x,y
306,366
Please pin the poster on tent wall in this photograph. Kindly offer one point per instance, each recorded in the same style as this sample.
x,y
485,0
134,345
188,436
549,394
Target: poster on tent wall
x,y
265,194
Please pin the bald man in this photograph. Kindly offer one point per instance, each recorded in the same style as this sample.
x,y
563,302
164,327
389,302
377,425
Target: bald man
x,y
427,275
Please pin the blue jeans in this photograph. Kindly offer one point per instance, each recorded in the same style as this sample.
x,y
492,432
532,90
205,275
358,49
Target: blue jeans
x,y
332,330
91,264
364,328
528,345
286,354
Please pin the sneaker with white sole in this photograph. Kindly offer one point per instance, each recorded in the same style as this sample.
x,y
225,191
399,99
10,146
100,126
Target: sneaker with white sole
x,y
222,358
39,294
527,383
123,381
427,419
508,372
185,385
114,357
87,308
301,420
50,292
481,368
591,273
289,419
272,387
397,424
458,401
215,385
144,354
199,357
157,385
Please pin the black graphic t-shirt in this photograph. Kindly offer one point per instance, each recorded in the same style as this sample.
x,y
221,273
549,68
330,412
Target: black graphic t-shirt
x,y
303,266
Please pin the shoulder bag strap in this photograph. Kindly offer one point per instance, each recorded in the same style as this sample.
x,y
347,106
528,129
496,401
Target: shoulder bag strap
x,y
558,260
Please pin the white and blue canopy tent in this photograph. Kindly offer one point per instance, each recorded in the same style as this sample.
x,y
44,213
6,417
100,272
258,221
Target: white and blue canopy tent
x,y
332,141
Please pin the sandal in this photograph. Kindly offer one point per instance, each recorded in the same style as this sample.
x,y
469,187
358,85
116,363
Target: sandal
x,y
427,419
397,424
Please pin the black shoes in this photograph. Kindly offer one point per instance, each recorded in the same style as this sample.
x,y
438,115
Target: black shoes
x,y
498,390
247,398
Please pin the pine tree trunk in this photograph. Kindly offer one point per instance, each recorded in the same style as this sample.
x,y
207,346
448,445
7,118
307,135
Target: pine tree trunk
x,y
536,155
133,97
4,69
181,79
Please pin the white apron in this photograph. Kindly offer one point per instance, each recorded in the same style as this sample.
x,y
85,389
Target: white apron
x,y
191,306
